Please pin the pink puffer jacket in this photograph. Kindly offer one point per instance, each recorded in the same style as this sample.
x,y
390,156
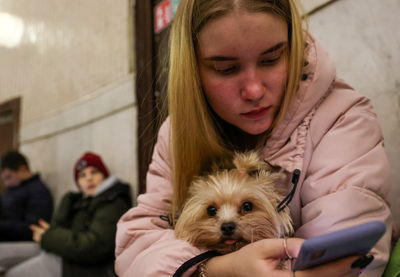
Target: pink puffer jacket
x,y
331,134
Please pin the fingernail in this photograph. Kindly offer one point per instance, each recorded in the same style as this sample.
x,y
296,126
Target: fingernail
x,y
362,262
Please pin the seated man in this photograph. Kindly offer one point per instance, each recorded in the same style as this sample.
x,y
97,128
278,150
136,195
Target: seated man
x,y
25,200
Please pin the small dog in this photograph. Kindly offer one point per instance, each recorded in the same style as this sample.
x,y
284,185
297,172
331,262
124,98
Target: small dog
x,y
231,207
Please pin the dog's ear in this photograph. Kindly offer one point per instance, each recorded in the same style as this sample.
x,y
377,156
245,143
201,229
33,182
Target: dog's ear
x,y
250,162
196,185
280,178
219,165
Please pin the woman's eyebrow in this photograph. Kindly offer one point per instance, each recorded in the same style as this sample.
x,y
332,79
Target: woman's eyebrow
x,y
220,58
274,48
227,58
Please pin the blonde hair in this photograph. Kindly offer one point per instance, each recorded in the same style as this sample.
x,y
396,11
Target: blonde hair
x,y
195,136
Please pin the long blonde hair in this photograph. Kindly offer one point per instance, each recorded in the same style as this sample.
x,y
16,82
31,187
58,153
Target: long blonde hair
x,y
195,136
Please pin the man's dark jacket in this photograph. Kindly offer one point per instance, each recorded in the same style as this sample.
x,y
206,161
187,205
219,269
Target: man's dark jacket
x,y
83,231
22,206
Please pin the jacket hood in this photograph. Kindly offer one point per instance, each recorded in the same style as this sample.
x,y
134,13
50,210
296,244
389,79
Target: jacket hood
x,y
118,189
110,189
320,72
106,184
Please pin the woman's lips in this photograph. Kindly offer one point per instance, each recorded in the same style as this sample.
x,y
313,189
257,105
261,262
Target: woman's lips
x,y
255,114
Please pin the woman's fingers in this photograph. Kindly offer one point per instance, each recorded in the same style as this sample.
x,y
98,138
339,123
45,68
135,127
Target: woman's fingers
x,y
278,249
263,256
350,266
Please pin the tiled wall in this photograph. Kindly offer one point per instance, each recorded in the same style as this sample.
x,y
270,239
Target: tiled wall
x,y
363,39
56,52
71,63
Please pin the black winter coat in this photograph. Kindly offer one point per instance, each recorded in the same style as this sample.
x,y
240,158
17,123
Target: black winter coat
x,y
83,231
22,206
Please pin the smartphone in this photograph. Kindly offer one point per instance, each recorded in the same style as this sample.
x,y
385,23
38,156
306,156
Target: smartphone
x,y
356,240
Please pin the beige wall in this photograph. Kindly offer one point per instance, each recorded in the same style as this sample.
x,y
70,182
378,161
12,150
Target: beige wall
x,y
71,63
104,123
362,38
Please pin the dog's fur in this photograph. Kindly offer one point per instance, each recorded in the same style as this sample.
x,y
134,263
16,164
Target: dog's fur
x,y
230,208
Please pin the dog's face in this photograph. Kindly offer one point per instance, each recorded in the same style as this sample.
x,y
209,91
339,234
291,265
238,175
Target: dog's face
x,y
230,208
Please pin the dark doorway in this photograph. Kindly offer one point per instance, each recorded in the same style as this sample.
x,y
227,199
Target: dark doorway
x,y
9,126
151,50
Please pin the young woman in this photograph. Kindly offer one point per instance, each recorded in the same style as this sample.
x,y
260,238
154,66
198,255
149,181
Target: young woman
x,y
243,74
80,239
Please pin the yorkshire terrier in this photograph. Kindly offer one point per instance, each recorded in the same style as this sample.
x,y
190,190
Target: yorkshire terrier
x,y
235,205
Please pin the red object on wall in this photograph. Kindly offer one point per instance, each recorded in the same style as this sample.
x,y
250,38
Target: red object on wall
x,y
162,15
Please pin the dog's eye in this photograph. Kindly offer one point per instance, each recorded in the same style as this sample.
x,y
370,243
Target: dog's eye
x,y
211,210
247,206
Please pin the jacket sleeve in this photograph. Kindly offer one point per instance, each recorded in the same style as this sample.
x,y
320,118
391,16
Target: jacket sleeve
x,y
62,217
39,205
145,244
91,246
15,230
348,180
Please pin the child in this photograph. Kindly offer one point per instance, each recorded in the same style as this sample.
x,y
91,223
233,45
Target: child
x,y
80,239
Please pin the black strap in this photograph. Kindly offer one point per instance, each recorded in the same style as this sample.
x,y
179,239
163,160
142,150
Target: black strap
x,y
285,202
195,260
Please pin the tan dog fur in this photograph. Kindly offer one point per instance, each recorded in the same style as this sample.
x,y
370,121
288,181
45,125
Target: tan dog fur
x,y
217,214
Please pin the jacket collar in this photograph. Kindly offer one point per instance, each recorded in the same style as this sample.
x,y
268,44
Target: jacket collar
x,y
34,177
107,183
320,73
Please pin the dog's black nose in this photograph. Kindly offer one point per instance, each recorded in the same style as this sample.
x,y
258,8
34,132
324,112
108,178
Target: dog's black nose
x,y
228,228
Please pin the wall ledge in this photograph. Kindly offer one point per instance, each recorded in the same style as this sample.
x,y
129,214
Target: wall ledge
x,y
101,103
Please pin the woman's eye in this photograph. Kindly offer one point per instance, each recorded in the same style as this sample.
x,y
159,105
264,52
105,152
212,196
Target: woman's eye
x,y
247,207
226,70
211,210
270,61
224,67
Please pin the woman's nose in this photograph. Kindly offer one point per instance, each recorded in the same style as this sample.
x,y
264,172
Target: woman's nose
x,y
253,88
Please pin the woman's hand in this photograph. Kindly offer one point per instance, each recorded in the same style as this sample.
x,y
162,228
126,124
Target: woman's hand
x,y
261,258
39,230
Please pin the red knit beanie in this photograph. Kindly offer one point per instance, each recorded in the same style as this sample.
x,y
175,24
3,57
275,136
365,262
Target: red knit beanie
x,y
90,159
